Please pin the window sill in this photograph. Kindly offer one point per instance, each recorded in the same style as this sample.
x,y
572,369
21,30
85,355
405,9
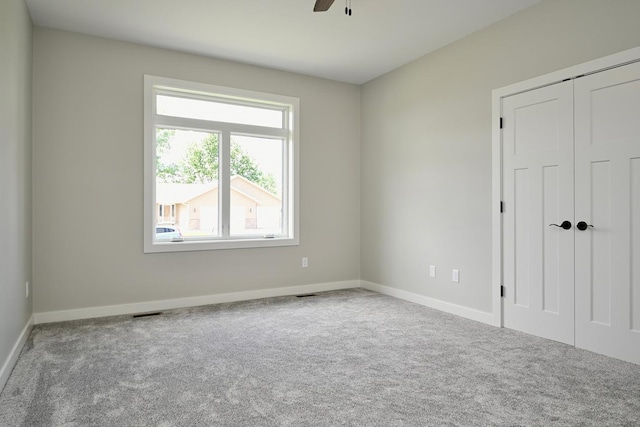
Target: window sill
x,y
210,245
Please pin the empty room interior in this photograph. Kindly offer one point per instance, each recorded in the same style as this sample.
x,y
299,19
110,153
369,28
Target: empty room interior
x,y
254,213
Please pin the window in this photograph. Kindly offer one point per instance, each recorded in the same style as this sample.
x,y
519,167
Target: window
x,y
220,167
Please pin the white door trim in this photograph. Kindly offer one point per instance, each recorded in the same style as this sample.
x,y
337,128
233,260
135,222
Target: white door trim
x,y
601,64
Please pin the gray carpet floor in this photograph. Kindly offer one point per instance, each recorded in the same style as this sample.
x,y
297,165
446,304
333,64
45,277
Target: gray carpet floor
x,y
354,358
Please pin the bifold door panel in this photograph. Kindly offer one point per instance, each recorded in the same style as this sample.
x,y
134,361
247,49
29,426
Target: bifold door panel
x,y
607,146
538,192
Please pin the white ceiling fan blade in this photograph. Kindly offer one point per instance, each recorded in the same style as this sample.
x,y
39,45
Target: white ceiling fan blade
x,y
322,5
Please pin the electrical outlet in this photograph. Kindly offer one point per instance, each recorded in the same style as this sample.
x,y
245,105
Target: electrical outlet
x,y
455,276
305,262
26,286
432,270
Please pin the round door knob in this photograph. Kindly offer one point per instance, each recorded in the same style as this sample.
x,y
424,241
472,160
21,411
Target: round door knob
x,y
565,225
583,226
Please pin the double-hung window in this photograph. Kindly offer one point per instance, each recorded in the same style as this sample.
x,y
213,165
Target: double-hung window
x,y
220,167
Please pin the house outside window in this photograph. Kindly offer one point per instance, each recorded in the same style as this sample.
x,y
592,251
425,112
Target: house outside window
x,y
221,165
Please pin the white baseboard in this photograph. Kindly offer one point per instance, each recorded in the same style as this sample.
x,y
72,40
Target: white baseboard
x,y
8,365
447,307
142,307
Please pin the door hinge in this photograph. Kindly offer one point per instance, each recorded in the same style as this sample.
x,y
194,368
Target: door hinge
x,y
502,291
501,206
500,122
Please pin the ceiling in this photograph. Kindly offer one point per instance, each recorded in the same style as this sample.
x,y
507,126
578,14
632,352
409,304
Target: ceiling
x,y
380,36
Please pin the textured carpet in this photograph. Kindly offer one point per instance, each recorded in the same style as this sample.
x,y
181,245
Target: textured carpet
x,y
352,357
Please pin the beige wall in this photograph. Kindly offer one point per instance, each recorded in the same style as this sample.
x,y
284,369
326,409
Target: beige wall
x,y
15,173
263,197
208,199
426,143
182,216
87,152
243,193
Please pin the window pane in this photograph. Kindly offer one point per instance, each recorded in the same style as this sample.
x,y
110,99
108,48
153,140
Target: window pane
x,y
256,185
187,164
218,111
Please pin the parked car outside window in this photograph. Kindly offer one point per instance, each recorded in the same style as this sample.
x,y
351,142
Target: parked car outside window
x,y
168,233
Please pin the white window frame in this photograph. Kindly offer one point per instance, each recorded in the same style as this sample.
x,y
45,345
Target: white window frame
x,y
154,85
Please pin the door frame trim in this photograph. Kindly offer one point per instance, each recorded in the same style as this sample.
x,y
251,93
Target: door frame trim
x,y
601,64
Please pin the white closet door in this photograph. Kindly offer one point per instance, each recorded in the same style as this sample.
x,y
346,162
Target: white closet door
x,y
538,191
607,146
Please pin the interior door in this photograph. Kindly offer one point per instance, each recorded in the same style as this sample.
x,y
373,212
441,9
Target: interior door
x,y
607,145
538,191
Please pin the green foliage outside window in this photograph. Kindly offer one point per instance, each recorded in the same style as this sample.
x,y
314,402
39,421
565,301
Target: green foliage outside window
x,y
200,163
